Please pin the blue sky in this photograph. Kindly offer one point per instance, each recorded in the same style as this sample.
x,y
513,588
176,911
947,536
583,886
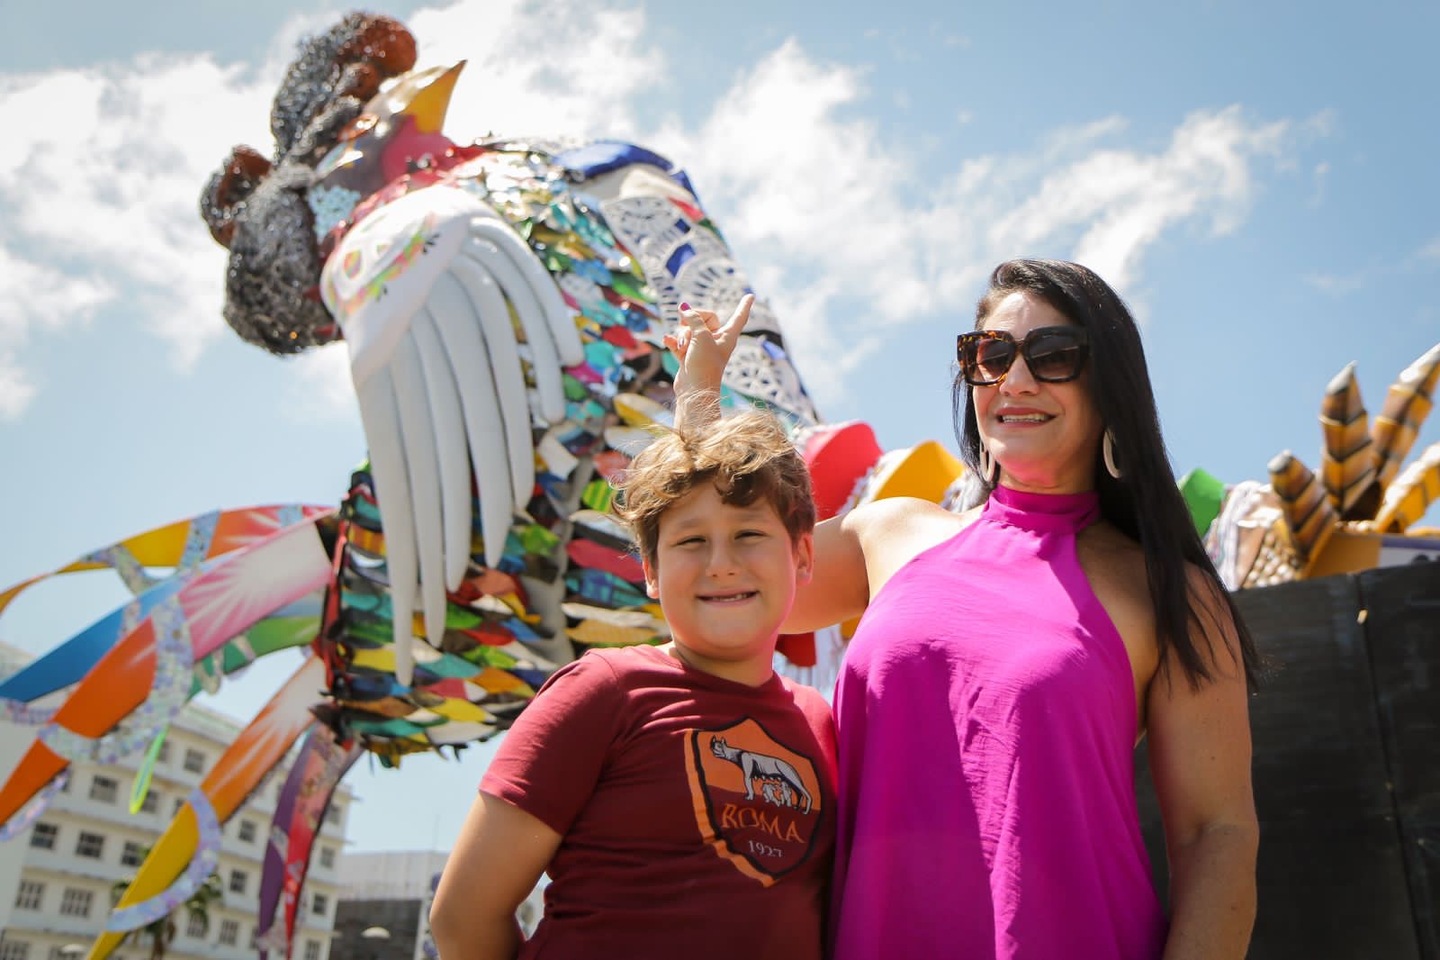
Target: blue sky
x,y
1256,178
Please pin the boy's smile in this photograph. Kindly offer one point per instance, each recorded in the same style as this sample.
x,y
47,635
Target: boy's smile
x,y
726,577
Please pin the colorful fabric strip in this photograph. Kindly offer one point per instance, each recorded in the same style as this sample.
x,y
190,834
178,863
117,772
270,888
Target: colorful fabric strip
x,y
207,856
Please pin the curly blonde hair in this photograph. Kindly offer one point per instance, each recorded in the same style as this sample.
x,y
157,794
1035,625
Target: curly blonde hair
x,y
747,457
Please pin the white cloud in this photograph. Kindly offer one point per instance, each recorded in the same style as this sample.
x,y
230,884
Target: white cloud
x,y
1319,177
832,224
16,388
1338,285
98,193
325,390
35,294
849,234
1115,203
556,68
100,176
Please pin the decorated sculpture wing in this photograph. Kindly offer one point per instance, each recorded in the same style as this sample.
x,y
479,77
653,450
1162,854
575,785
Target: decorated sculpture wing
x,y
149,670
426,290
184,547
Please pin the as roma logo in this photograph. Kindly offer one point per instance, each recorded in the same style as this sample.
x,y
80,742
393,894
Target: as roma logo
x,y
756,801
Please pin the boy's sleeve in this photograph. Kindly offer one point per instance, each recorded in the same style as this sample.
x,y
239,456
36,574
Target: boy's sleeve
x,y
550,760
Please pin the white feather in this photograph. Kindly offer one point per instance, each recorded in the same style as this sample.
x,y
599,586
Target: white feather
x,y
387,466
454,462
481,413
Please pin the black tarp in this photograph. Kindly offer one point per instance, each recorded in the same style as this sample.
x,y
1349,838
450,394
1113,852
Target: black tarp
x,y
1346,728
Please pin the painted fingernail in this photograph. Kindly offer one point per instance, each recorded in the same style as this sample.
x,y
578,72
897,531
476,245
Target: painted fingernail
x,y
684,305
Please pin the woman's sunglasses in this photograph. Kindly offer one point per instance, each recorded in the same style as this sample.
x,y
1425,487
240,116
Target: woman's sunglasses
x,y
1053,354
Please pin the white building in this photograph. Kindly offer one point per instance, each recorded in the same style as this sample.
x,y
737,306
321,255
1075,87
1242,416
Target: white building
x,y
56,876
389,892
384,911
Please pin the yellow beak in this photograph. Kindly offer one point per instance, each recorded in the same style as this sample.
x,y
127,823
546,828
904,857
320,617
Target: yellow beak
x,y
421,94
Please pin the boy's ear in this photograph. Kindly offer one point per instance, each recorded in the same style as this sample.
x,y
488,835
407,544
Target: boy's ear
x,y
804,558
652,585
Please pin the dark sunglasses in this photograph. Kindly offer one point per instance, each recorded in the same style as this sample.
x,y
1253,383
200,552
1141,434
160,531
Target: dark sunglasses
x,y
1053,354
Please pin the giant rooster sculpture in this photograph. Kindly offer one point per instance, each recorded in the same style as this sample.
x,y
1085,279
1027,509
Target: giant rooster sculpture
x,y
504,305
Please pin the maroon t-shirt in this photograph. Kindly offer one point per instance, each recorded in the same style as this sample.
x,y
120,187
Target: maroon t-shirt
x,y
697,813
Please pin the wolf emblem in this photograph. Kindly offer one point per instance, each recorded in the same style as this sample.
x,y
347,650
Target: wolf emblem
x,y
772,772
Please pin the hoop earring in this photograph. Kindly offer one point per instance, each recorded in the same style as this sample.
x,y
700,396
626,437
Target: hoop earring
x,y
989,469
1107,450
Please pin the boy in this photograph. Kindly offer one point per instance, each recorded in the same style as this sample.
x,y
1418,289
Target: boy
x,y
680,797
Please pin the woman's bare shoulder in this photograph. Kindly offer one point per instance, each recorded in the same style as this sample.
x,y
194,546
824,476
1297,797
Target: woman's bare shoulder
x,y
894,531
900,516
855,553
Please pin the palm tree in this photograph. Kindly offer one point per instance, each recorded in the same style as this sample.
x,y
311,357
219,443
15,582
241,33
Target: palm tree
x,y
161,932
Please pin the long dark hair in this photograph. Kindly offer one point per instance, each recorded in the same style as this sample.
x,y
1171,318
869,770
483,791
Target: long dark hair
x,y
1145,504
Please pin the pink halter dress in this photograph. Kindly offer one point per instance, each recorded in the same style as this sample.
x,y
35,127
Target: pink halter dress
x,y
986,719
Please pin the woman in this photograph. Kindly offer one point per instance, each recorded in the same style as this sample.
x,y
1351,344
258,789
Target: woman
x,y
1009,659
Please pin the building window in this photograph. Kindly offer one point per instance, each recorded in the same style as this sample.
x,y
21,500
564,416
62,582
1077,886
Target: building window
x,y
247,831
132,855
327,856
194,761
164,755
44,835
237,881
332,814
318,904
229,932
90,845
75,903
14,950
104,789
312,950
29,895
197,926
179,802
151,803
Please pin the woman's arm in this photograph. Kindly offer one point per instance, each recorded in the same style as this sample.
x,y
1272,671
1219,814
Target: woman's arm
x,y
1200,761
839,588
857,553
496,862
